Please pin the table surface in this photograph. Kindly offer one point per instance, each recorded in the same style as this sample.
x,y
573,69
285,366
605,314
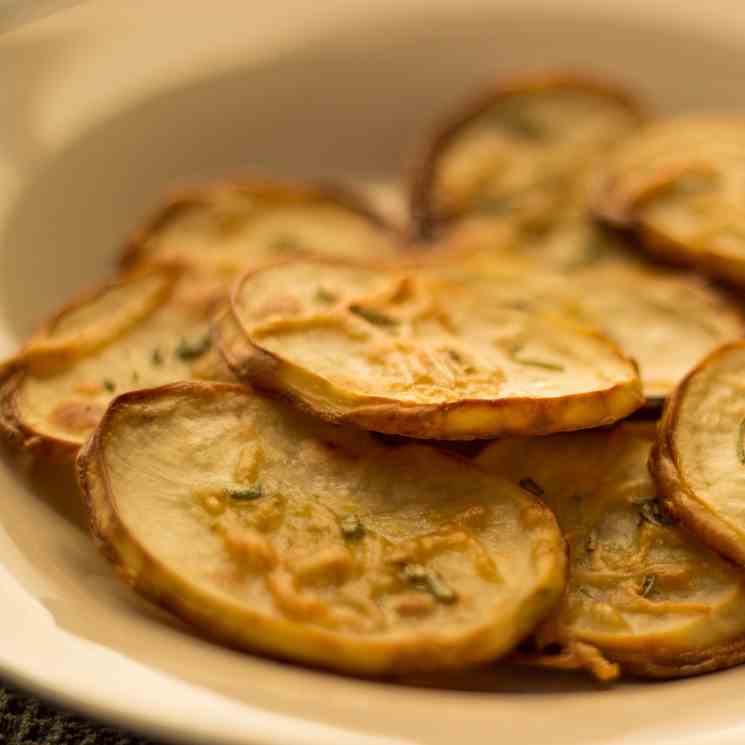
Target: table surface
x,y
25,720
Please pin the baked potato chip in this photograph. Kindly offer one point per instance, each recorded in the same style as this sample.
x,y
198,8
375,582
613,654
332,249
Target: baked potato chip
x,y
143,330
666,320
699,461
276,532
445,354
522,152
679,185
571,245
228,227
643,594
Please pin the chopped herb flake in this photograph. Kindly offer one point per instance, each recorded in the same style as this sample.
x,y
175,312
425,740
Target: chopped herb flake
x,y
741,441
156,357
247,494
373,316
648,585
520,123
286,244
191,350
325,296
591,542
493,205
426,580
531,486
651,512
109,385
598,247
352,528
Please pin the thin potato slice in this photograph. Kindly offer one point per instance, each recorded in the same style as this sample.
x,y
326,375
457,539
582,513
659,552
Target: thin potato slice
x,y
522,152
666,320
571,245
443,354
643,594
276,532
141,331
699,461
679,185
229,227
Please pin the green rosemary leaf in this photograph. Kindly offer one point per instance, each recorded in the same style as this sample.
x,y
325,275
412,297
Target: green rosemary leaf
x,y
531,486
426,580
373,316
247,494
351,527
191,350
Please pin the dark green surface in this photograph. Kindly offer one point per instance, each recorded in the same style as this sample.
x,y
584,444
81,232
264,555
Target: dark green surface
x,y
25,720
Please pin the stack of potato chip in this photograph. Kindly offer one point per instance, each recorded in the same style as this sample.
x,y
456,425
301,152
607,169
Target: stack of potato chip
x,y
265,404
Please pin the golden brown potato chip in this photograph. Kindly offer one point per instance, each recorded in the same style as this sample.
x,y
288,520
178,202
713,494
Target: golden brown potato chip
x,y
149,330
231,226
523,152
699,462
441,353
140,331
642,593
678,185
666,320
276,532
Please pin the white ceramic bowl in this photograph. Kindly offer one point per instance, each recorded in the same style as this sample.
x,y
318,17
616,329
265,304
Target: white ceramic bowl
x,y
106,105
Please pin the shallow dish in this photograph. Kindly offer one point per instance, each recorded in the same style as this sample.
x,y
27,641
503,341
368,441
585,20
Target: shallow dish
x,y
102,123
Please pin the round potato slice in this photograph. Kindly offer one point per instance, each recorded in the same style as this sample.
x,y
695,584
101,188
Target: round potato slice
x,y
228,227
571,245
666,320
679,185
643,594
699,461
143,330
444,354
290,536
521,152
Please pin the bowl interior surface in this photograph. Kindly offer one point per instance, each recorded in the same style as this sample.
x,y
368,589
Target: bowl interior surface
x,y
348,106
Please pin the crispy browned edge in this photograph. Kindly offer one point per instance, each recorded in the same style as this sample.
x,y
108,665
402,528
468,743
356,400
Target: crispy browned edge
x,y
134,248
676,493
261,368
426,223
640,664
622,212
13,430
669,250
107,530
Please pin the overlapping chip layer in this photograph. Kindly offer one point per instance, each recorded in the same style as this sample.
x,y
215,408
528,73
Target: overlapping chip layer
x,y
151,325
445,354
699,462
643,593
678,185
274,531
291,527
